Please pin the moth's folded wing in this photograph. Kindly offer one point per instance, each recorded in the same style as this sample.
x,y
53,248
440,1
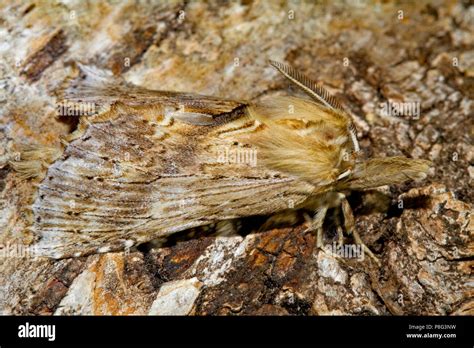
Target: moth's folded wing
x,y
102,89
127,180
75,218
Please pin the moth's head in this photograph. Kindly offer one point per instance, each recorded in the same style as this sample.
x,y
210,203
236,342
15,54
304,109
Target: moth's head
x,y
378,172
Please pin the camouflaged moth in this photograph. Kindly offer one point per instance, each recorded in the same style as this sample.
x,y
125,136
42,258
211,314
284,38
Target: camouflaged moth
x,y
152,163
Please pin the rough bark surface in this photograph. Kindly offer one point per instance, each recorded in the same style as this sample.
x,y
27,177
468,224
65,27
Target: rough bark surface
x,y
365,53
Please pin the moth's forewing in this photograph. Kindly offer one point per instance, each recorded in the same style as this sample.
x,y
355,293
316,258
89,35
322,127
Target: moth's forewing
x,y
99,87
131,178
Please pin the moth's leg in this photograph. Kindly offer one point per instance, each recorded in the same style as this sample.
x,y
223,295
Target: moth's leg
x,y
349,225
349,222
316,224
340,235
337,219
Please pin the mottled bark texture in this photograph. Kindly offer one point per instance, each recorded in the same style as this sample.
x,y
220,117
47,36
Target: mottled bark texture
x,y
368,54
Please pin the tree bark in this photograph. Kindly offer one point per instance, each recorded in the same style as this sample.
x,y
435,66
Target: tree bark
x,y
369,55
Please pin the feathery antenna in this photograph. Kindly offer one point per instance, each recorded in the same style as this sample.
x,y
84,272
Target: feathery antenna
x,y
315,91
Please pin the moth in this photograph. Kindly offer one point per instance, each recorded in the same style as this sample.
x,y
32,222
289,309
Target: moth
x,y
152,163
